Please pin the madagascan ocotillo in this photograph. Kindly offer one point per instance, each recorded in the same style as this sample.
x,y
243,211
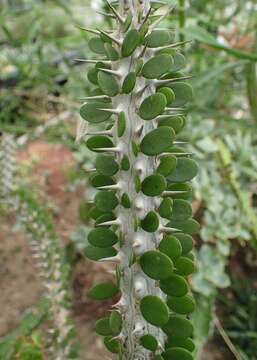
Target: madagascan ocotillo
x,y
142,212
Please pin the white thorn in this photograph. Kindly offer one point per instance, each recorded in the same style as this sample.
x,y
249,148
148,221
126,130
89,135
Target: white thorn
x,y
110,149
114,259
173,80
174,45
109,71
109,187
110,223
113,111
167,229
105,14
173,192
115,12
117,41
96,97
92,31
89,61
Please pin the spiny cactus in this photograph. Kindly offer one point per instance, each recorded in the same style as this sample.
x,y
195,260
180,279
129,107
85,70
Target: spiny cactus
x,y
143,219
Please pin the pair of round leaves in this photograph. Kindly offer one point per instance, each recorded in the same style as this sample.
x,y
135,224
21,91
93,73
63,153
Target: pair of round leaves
x,y
156,265
157,66
106,200
168,93
189,226
178,325
186,170
157,141
182,305
102,237
177,353
184,266
99,141
171,246
158,38
91,112
154,310
106,165
96,44
167,165
103,291
181,342
108,84
183,93
152,106
130,43
154,185
109,325
174,285
177,123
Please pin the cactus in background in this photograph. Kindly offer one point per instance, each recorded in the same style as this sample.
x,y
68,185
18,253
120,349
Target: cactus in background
x,y
143,217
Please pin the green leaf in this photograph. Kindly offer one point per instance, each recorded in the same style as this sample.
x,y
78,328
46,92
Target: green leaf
x,y
121,125
184,266
102,326
96,45
92,76
91,113
115,322
129,83
168,92
156,265
152,106
95,253
99,180
178,326
111,53
186,242
165,208
151,222
177,123
200,34
111,344
99,141
159,38
102,237
175,285
167,164
182,305
171,246
149,342
106,201
186,187
125,163
181,210
183,93
177,354
153,185
157,141
103,291
154,310
186,170
180,342
189,226
108,84
125,201
105,217
130,43
106,165
157,66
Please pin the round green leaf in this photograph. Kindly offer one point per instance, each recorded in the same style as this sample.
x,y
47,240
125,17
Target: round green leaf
x,y
178,326
108,84
106,200
176,122
182,305
102,327
157,141
156,265
121,126
111,53
92,75
111,344
165,208
129,83
102,237
115,322
130,43
169,93
94,213
96,45
167,165
183,93
95,253
152,106
189,226
125,163
149,342
154,310
181,210
153,185
184,266
171,246
159,38
91,113
125,201
157,66
106,165
99,141
151,222
175,285
103,291
186,242
182,342
98,180
105,217
177,354
186,170
179,62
